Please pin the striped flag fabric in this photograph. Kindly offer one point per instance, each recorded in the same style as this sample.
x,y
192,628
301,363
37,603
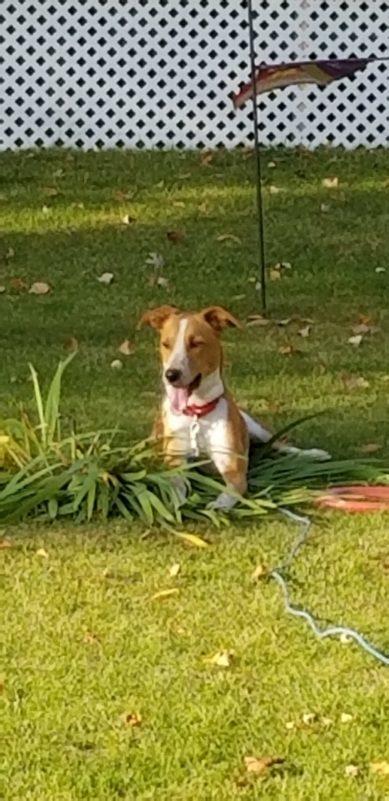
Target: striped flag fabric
x,y
276,76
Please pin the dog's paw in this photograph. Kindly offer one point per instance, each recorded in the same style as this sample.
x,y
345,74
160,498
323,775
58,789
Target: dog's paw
x,y
316,454
224,501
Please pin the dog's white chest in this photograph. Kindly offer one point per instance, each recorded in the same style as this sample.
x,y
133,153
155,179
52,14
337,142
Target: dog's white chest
x,y
201,436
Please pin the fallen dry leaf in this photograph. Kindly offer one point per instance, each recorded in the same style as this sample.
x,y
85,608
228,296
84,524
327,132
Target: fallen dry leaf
x,y
127,348
50,191
271,164
41,552
380,270
71,344
352,771
162,595
90,638
304,332
290,725
131,719
228,237
175,236
326,721
309,718
39,288
352,382
370,447
260,765
260,572
222,659
116,364
275,190
257,320
330,183
346,717
105,278
361,328
174,570
4,543
155,260
381,767
288,350
162,281
2,290
18,284
206,158
274,275
355,340
127,219
192,539
324,208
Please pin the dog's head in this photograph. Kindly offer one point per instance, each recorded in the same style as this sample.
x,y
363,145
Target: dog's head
x,y
190,345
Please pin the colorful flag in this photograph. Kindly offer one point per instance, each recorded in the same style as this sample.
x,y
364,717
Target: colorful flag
x,y
270,77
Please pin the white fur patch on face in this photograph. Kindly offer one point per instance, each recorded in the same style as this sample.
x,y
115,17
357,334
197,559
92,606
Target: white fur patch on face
x,y
178,359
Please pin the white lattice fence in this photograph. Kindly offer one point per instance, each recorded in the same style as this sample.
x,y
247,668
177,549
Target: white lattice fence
x,y
154,73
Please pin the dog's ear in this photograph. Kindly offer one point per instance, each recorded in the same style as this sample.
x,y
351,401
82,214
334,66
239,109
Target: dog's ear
x,y
156,317
220,318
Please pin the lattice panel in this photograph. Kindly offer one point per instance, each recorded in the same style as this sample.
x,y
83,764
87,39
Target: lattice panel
x,y
157,73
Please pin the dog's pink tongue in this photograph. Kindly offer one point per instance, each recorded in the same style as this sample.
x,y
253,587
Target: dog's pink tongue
x,y
178,398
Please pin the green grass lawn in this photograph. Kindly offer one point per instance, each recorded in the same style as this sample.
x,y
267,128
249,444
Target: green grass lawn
x,y
84,645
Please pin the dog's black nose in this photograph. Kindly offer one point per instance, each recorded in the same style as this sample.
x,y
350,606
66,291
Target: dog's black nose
x,y
173,375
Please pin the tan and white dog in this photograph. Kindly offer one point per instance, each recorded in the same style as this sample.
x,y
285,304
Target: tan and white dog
x,y
198,416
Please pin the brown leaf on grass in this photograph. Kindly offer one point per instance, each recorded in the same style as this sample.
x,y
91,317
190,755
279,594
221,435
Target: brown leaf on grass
x,y
260,572
361,328
4,543
260,765
39,288
127,348
330,183
41,552
352,771
370,447
257,320
381,768
131,719
127,219
352,382
275,190
18,284
174,570
289,350
50,191
90,638
105,278
71,344
274,275
222,659
206,158
304,332
163,595
356,340
123,195
228,237
175,236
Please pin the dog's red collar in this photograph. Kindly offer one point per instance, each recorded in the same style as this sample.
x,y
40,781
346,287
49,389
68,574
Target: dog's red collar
x,y
197,410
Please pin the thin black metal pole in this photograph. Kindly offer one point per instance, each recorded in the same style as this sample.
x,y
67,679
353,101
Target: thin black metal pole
x,y
261,225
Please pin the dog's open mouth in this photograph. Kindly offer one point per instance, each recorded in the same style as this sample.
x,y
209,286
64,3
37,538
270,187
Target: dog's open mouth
x,y
179,396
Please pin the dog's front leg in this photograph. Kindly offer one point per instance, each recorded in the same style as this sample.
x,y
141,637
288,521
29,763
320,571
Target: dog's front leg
x,y
236,483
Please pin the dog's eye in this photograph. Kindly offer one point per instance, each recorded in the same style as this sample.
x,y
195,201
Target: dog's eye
x,y
196,343
166,345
